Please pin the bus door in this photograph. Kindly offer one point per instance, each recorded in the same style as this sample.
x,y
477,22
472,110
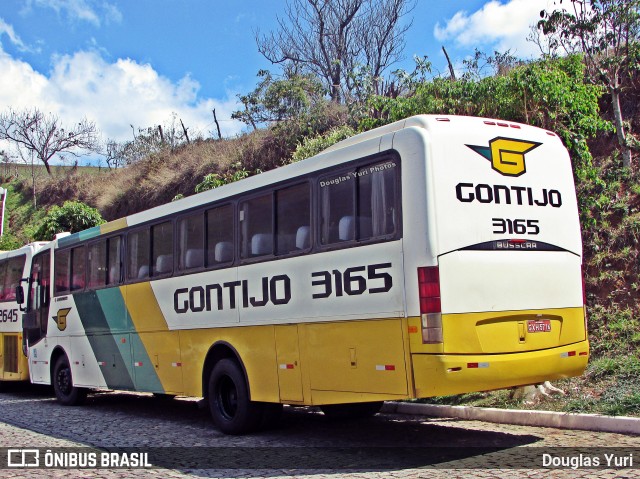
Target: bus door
x,y
35,319
288,357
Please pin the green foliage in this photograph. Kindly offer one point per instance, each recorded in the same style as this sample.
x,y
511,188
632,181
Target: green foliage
x,y
550,94
312,146
72,216
606,32
621,366
21,217
276,100
214,180
9,242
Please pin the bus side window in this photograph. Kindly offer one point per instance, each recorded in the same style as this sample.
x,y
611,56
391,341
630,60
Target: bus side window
x,y
191,242
3,274
293,217
138,254
256,226
376,199
62,272
162,249
97,258
359,204
78,268
114,261
337,208
12,274
219,236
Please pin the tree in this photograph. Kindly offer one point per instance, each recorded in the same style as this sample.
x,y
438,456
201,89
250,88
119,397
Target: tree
x,y
113,154
72,216
276,100
606,32
44,136
146,142
549,93
330,38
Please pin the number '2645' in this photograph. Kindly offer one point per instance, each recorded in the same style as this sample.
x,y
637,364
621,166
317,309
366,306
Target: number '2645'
x,y
8,315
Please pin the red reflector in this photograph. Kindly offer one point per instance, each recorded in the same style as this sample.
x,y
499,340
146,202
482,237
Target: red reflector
x,y
472,365
517,241
413,329
429,275
571,353
430,305
583,353
429,290
389,367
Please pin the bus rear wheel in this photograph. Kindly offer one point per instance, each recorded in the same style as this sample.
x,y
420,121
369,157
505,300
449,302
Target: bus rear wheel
x,y
66,393
231,408
352,411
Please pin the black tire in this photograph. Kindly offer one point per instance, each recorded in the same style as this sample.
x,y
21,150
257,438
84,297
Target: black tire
x,y
231,409
66,393
359,410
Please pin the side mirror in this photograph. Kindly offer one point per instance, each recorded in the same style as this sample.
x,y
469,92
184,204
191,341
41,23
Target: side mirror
x,y
20,295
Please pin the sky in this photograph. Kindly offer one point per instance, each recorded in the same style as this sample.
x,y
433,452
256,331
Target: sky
x,y
129,64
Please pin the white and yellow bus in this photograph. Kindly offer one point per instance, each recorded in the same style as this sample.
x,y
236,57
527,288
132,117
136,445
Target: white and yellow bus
x,y
432,256
14,270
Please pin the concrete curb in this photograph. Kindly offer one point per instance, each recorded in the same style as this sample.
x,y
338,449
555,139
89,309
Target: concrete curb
x,y
560,420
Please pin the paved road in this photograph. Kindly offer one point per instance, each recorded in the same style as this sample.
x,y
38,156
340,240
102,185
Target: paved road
x,y
180,436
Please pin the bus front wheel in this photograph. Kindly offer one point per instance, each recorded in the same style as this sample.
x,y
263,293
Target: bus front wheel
x,y
66,393
231,408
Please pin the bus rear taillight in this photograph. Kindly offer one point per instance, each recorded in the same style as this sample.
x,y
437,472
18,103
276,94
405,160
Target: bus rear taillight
x,y
430,307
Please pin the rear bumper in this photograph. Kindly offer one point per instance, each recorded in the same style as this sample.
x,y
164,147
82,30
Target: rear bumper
x,y
445,374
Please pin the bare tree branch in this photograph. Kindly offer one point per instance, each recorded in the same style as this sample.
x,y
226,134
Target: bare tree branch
x,y
332,38
43,135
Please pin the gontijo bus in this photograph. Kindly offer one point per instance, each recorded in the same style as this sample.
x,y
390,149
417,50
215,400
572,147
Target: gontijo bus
x,y
432,256
14,269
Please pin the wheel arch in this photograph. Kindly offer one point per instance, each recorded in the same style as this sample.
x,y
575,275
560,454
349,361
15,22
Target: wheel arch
x,y
221,350
57,353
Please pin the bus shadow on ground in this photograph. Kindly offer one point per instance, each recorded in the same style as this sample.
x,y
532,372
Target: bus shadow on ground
x,y
178,434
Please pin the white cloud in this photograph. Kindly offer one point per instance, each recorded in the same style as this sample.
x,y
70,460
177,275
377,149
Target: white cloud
x,y
500,25
6,29
91,11
114,95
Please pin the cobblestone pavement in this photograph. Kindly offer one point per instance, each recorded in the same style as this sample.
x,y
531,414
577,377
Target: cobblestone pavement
x,y
305,444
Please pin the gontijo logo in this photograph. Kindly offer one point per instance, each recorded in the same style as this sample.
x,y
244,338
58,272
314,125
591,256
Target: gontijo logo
x,y
506,154
61,318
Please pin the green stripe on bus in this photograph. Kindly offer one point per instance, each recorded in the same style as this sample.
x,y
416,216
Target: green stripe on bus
x,y
77,237
112,352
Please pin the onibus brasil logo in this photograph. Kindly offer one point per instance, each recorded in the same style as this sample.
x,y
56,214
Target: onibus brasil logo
x,y
506,154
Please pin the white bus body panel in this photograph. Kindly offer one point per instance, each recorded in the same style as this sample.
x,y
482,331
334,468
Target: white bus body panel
x,y
439,224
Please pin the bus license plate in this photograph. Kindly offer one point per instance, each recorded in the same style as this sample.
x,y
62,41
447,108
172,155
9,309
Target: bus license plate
x,y
539,326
